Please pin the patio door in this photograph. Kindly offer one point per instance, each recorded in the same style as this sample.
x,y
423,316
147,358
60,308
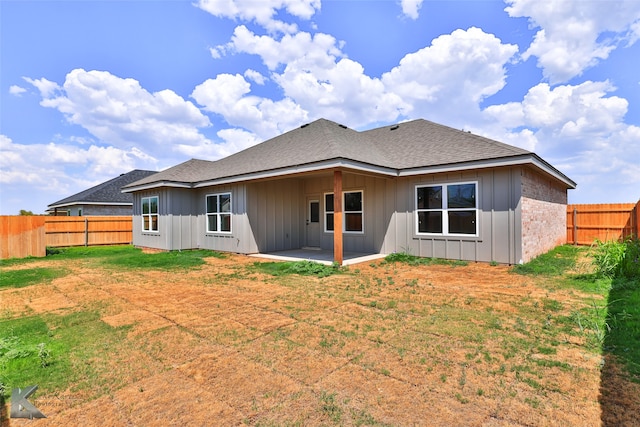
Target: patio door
x,y
313,223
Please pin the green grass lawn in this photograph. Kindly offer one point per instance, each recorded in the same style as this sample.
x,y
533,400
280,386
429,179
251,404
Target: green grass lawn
x,y
75,349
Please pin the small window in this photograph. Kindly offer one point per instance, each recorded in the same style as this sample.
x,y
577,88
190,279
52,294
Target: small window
x,y
219,213
150,213
352,209
447,209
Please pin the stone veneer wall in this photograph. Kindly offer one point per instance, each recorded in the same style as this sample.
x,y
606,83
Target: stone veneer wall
x,y
544,214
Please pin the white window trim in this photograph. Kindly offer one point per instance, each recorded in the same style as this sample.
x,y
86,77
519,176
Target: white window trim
x,y
445,209
150,214
344,223
206,213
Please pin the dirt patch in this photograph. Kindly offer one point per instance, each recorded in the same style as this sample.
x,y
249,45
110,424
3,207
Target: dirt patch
x,y
385,344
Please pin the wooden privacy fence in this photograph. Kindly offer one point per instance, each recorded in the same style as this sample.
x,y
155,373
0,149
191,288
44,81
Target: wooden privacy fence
x,y
88,230
614,221
22,236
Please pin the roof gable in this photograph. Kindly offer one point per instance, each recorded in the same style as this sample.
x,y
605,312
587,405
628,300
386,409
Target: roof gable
x,y
409,145
107,192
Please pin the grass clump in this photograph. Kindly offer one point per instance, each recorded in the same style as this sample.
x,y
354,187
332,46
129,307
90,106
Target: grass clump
x,y
618,259
129,257
553,263
413,260
302,268
29,276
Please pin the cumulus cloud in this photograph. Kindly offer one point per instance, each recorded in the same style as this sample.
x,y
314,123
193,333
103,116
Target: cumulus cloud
x,y
581,130
16,90
576,35
228,95
51,171
411,8
262,12
452,76
120,112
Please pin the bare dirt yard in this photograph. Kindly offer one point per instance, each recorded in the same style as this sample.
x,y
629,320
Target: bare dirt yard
x,y
380,344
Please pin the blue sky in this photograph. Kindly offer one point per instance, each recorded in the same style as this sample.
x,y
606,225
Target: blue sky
x,y
93,89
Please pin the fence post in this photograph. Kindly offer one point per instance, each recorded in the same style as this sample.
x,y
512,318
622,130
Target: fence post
x,y
637,217
86,231
575,226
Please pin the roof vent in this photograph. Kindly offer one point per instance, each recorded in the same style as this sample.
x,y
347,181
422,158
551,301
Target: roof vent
x,y
342,126
304,125
394,127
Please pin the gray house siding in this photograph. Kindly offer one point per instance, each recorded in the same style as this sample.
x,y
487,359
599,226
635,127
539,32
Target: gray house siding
x,y
270,215
97,210
499,234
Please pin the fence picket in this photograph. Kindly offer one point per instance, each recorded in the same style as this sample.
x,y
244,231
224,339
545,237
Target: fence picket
x,y
614,221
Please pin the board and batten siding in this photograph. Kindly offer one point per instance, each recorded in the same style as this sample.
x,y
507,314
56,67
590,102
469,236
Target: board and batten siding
x,y
176,220
377,210
499,238
275,215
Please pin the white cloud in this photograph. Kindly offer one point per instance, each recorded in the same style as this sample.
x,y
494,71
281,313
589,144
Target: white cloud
x,y
49,172
120,112
411,8
262,12
451,77
576,35
317,51
16,90
227,95
255,76
579,129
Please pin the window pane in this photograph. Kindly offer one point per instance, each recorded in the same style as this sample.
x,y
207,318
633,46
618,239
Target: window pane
x,y
225,222
225,203
461,196
212,204
154,222
430,222
145,223
462,222
145,205
212,221
329,222
353,222
328,203
314,212
429,197
154,205
353,202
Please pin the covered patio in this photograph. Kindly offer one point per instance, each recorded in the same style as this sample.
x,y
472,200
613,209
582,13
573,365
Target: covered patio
x,y
318,255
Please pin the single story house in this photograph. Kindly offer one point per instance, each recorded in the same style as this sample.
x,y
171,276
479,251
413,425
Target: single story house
x,y
416,187
103,199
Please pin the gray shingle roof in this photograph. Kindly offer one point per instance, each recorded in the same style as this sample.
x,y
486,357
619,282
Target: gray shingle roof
x,y
107,192
415,144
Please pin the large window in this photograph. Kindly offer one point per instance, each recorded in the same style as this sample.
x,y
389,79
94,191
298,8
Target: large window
x,y
447,209
219,213
150,213
352,207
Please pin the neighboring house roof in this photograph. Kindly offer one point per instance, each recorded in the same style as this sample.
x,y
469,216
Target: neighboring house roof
x,y
418,146
107,193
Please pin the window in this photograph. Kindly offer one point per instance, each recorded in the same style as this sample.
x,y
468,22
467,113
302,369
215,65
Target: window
x,y
150,213
219,213
352,209
447,209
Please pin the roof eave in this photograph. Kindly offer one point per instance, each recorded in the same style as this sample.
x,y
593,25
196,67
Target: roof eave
x,y
301,169
154,185
524,159
64,205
